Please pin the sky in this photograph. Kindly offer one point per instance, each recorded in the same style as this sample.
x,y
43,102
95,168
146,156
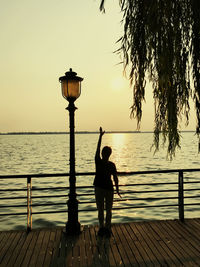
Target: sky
x,y
40,41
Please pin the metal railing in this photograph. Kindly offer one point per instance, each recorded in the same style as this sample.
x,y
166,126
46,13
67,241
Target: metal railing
x,y
180,190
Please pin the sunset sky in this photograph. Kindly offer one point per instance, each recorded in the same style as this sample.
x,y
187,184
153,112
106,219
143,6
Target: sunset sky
x,y
40,41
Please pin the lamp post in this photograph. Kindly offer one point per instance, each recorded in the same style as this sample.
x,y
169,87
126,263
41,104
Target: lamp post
x,y
71,90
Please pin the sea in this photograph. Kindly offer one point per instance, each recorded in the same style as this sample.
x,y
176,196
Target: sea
x,y
49,154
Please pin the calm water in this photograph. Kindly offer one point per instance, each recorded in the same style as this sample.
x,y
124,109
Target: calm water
x,y
33,154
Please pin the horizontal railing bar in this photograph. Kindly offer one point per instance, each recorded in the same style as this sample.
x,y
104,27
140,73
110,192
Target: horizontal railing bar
x,y
137,207
149,184
130,199
93,202
50,196
45,175
158,171
135,192
128,185
191,204
93,173
25,213
192,182
13,206
67,188
10,198
12,190
84,187
51,211
33,205
191,189
127,199
86,202
11,214
50,188
48,204
94,209
78,187
192,196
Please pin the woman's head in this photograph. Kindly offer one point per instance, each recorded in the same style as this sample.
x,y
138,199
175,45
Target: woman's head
x,y
106,152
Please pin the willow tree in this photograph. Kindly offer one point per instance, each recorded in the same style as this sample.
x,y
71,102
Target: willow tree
x,y
161,43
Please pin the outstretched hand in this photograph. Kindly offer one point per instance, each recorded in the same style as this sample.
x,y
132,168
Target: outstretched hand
x,y
101,131
119,195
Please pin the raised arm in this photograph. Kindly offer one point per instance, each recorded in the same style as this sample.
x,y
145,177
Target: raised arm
x,y
101,133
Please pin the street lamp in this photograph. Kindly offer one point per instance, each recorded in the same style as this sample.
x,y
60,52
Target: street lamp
x,y
71,90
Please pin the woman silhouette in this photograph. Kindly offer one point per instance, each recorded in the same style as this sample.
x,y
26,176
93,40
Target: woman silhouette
x,y
104,186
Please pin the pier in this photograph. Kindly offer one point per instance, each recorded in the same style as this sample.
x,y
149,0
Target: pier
x,y
148,243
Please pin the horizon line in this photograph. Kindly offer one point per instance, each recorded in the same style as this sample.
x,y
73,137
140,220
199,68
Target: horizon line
x,y
79,132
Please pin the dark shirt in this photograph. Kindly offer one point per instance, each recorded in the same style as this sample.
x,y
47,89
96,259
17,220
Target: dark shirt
x,y
104,170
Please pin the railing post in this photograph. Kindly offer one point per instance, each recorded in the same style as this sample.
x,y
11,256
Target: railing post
x,y
29,204
181,196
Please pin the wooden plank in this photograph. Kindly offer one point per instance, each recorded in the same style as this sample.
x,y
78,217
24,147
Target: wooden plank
x,y
88,246
156,258
17,250
102,248
7,245
76,250
96,260
196,223
122,259
4,240
23,249
108,250
83,256
2,235
69,253
175,245
11,249
166,248
193,228
133,243
96,247
49,252
146,245
62,250
36,249
186,242
130,253
141,245
186,238
43,248
29,252
56,248
159,250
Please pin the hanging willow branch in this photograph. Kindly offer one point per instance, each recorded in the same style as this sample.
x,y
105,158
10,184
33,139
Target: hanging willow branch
x,y
161,42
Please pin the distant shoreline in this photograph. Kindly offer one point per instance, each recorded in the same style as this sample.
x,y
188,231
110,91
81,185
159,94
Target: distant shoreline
x,y
78,132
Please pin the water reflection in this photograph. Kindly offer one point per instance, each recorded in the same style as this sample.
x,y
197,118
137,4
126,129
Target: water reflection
x,y
119,155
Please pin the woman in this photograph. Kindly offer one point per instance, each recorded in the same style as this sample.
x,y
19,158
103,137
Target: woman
x,y
104,190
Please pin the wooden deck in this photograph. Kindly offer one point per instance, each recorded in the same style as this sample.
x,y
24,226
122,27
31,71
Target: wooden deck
x,y
155,243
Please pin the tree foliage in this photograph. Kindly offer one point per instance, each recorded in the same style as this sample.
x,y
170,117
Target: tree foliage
x,y
161,43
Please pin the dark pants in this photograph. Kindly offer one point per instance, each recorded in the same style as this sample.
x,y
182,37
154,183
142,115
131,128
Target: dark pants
x,y
104,195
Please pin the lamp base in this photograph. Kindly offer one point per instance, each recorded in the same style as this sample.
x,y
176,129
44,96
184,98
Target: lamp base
x,y
73,228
